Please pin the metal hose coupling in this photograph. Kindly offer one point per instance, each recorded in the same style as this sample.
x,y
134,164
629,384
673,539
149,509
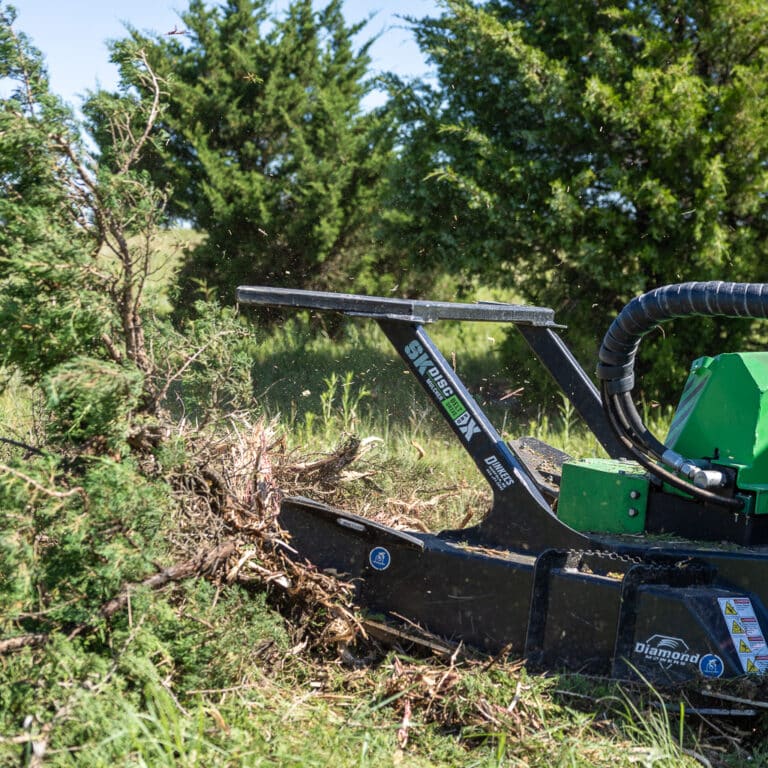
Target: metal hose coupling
x,y
699,476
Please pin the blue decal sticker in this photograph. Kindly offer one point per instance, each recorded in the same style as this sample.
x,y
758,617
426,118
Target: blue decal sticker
x,y
379,558
711,665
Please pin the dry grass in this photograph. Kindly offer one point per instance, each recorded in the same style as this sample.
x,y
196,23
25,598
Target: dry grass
x,y
229,487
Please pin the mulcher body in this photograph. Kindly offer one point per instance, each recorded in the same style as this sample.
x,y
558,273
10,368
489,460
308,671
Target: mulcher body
x,y
651,563
722,422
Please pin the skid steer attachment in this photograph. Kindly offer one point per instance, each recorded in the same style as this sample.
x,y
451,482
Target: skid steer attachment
x,y
655,561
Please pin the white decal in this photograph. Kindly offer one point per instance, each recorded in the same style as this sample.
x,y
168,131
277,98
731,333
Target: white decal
x,y
496,471
668,651
467,425
745,632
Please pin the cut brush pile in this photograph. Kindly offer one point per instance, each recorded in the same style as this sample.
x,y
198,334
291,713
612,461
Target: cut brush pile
x,y
229,492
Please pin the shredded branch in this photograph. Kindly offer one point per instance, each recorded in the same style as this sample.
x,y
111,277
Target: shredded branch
x,y
204,564
12,644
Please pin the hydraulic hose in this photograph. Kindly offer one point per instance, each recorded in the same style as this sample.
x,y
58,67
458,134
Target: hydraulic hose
x,y
616,367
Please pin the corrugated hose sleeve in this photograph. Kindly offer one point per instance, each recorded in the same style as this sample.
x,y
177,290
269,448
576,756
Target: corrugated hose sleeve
x,y
705,299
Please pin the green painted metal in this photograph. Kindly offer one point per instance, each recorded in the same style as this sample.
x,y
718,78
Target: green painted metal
x,y
723,416
603,495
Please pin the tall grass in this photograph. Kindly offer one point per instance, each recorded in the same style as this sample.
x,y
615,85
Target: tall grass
x,y
322,387
317,384
19,414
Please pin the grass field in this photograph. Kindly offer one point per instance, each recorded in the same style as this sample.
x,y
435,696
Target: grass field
x,y
321,387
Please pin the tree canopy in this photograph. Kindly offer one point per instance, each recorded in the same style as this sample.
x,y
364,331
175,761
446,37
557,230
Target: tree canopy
x,y
266,146
585,152
577,152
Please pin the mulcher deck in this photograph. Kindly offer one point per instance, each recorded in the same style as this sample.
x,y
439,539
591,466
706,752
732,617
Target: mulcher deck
x,y
522,579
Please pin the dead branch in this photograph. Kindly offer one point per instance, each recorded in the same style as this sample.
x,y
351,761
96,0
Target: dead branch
x,y
12,644
331,465
163,393
40,744
149,123
205,564
30,481
18,444
114,352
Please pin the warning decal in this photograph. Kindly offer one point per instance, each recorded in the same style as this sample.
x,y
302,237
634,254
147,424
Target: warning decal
x,y
743,647
744,629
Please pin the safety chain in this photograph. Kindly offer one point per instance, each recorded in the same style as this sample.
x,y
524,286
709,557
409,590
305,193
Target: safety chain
x,y
612,556
605,555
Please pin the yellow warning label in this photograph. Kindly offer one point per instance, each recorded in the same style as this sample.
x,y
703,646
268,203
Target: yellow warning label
x,y
746,633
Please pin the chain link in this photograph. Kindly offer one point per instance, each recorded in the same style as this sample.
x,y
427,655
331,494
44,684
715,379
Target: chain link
x,y
635,560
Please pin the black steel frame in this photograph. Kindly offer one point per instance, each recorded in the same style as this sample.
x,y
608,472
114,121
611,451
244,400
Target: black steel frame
x,y
521,579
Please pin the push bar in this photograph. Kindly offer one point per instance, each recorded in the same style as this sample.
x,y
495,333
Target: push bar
x,y
405,310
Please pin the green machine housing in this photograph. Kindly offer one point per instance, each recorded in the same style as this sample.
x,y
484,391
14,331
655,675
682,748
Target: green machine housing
x,y
721,422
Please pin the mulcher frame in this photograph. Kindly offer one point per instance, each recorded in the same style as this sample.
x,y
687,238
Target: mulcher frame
x,y
522,580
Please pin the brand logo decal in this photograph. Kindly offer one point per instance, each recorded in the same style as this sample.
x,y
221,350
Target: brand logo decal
x,y
420,359
668,651
467,425
442,390
496,471
379,558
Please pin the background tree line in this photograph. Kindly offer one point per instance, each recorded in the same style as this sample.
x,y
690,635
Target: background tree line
x,y
576,153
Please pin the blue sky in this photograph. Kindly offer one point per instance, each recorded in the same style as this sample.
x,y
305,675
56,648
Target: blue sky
x,y
72,34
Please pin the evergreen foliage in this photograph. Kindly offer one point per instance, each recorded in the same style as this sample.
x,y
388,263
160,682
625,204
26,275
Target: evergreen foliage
x,y
266,145
584,153
42,318
98,664
74,256
88,509
78,516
